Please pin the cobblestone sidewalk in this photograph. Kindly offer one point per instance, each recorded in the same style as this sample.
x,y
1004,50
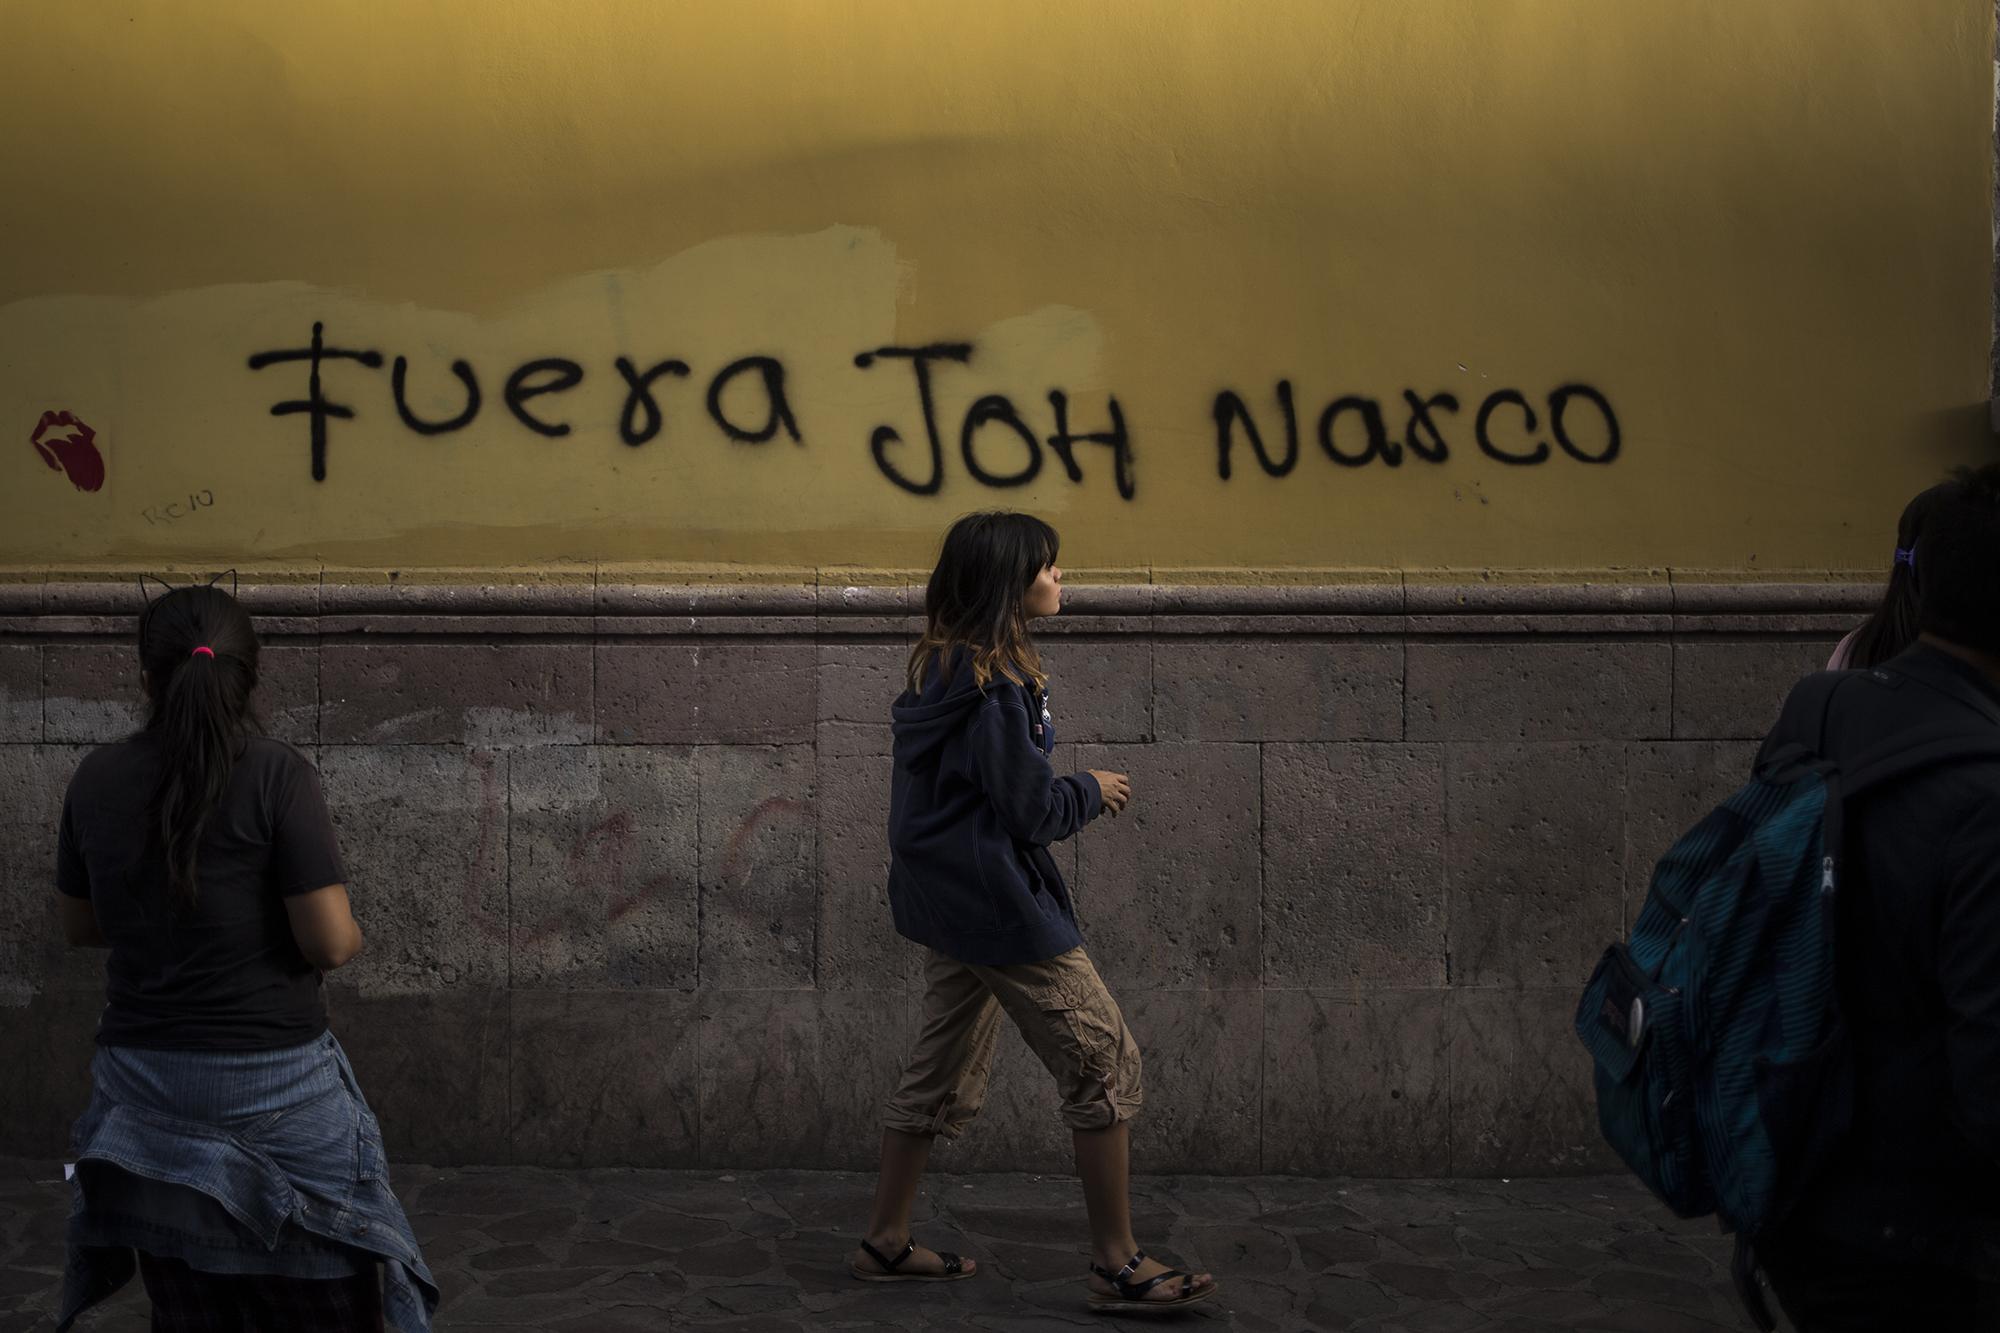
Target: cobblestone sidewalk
x,y
609,1251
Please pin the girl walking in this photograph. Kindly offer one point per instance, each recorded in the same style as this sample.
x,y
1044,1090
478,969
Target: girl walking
x,y
227,1150
974,806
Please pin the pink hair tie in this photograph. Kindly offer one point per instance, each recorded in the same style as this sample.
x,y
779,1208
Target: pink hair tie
x,y
203,651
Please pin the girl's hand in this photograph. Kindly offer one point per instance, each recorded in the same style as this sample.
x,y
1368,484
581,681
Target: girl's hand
x,y
1117,789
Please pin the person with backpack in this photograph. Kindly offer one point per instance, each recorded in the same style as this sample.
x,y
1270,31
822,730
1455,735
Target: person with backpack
x,y
227,1151
1802,1035
1899,1224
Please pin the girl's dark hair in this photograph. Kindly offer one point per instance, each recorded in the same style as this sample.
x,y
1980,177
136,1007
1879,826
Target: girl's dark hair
x,y
200,656
1957,559
1893,626
973,601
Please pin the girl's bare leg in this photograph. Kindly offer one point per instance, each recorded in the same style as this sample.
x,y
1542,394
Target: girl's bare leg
x,y
1104,1160
904,1157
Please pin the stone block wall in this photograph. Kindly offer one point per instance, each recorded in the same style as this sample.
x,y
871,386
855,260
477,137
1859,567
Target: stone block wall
x,y
619,850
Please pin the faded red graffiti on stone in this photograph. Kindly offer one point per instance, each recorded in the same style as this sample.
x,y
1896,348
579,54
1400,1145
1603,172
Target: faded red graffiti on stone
x,y
597,864
73,454
597,861
739,842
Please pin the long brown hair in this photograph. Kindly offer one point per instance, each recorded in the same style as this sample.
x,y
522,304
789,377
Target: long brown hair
x,y
973,601
200,655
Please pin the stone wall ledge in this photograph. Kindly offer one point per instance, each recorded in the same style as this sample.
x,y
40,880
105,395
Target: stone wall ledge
x,y
1417,605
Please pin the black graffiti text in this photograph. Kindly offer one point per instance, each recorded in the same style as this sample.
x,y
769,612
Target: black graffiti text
x,y
990,457
315,405
1355,431
533,393
175,510
997,442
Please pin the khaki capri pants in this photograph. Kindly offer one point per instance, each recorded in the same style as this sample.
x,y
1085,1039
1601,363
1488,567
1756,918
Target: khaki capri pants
x,y
1062,1010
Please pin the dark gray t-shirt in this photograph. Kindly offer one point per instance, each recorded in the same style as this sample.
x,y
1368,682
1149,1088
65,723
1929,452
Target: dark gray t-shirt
x,y
226,974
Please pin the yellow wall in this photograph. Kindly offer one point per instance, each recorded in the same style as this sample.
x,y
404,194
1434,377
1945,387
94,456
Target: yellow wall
x,y
1759,230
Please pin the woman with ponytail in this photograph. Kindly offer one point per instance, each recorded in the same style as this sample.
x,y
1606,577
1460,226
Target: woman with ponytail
x,y
227,1152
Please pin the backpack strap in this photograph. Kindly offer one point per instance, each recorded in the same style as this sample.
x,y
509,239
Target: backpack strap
x,y
1930,748
1952,687
1933,747
1917,750
1899,758
1803,722
1810,711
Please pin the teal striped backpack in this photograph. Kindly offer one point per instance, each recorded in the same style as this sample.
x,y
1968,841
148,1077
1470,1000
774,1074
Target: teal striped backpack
x,y
1721,1062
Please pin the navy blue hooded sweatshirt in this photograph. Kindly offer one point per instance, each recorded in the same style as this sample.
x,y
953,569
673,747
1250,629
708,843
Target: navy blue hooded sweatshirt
x,y
973,807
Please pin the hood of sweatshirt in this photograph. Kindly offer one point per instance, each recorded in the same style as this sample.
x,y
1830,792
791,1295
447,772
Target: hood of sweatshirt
x,y
921,723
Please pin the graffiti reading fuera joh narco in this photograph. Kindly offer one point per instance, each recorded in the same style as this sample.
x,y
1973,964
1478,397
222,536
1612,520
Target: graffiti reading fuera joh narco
x,y
1353,429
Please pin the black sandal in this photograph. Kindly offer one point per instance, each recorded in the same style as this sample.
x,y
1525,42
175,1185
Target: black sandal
x,y
954,1267
1131,1297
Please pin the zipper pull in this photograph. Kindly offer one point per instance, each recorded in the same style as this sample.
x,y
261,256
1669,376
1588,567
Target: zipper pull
x,y
1826,876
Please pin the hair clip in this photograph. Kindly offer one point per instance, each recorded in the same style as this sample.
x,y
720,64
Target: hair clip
x,y
1907,555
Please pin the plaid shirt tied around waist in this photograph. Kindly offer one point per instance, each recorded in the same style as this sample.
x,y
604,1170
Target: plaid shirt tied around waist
x,y
237,1162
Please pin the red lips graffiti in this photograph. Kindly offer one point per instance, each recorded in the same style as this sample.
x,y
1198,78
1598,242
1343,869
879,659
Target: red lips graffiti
x,y
75,454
